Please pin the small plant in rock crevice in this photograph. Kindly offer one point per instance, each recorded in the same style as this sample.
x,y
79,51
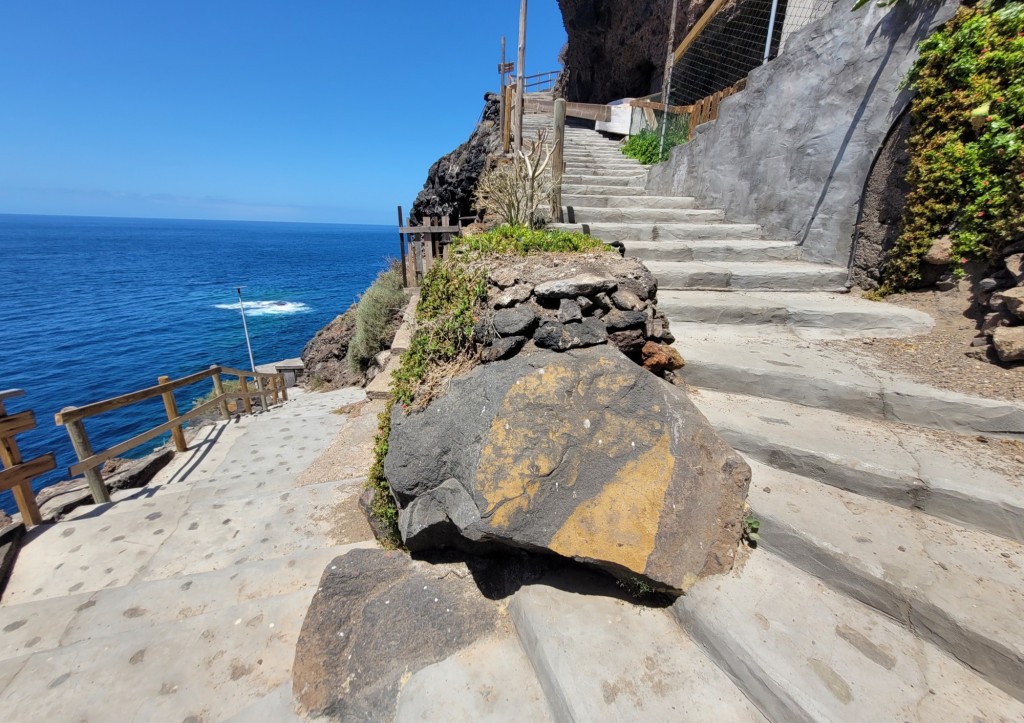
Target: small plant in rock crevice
x,y
751,531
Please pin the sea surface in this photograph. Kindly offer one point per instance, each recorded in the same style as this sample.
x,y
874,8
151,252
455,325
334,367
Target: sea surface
x,y
97,307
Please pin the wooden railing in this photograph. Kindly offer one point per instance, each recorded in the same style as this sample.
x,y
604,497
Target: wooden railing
x,y
270,389
541,81
17,475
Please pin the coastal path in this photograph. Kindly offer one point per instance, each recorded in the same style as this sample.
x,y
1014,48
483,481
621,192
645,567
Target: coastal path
x,y
889,579
182,601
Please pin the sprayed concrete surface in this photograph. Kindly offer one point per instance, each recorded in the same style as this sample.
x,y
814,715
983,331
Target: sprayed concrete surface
x,y
183,600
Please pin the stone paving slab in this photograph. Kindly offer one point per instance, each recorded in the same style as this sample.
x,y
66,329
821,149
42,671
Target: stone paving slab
x,y
491,682
960,589
804,652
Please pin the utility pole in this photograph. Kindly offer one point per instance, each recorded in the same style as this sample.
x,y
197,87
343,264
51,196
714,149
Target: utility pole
x,y
666,91
519,76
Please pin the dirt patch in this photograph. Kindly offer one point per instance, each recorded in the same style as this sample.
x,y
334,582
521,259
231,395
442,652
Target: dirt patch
x,y
941,358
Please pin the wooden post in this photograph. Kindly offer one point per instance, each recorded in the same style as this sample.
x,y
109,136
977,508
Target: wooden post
x,y
501,87
666,88
80,441
284,388
519,76
506,125
401,249
262,389
218,389
171,407
557,163
24,497
243,387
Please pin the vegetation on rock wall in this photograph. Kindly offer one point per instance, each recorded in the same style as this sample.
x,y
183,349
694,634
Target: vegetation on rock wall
x,y
521,240
967,168
375,318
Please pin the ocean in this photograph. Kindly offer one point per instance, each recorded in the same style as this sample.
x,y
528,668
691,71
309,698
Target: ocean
x,y
97,307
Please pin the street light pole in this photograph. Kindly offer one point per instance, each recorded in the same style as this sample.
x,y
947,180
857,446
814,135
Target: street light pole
x,y
245,327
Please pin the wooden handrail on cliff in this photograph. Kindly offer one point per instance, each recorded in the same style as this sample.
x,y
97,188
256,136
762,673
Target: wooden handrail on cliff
x,y
17,475
270,389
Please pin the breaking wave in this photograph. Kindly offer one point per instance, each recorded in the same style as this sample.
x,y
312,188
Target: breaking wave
x,y
268,308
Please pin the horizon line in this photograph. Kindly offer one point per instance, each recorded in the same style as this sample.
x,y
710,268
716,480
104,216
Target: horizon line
x,y
210,220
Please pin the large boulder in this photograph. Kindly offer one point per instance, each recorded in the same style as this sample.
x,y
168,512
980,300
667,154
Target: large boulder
x,y
581,453
379,617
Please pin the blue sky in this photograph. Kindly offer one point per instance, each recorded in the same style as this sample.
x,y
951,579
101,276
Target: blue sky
x,y
324,111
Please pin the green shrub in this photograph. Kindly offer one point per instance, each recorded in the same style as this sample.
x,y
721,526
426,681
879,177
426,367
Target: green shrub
x,y
522,240
645,146
966,169
382,506
375,314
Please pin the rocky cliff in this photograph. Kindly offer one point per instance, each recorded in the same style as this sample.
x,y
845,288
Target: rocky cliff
x,y
451,181
616,48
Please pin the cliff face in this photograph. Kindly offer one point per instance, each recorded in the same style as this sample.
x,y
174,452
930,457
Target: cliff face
x,y
616,48
452,181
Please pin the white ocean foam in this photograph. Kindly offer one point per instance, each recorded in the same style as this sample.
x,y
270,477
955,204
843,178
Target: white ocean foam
x,y
268,308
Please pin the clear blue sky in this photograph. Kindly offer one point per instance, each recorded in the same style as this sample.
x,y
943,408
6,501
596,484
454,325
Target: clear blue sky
x,y
321,110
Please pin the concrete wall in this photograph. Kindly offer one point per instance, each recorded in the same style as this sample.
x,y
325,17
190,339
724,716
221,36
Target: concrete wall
x,y
793,151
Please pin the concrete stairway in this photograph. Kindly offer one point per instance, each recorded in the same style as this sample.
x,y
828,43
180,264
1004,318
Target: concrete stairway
x,y
183,600
889,582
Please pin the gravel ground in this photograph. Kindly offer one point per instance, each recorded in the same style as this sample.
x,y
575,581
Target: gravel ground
x,y
939,358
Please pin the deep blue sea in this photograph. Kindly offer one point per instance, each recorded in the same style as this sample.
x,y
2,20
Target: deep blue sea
x,y
96,307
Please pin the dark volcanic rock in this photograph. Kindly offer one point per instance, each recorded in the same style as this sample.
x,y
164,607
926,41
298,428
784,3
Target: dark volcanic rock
x,y
376,617
617,320
502,348
616,48
452,180
629,341
514,322
575,335
569,310
324,355
570,288
584,454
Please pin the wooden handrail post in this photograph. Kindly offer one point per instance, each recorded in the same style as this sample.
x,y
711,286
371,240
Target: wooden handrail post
x,y
284,388
262,388
272,381
80,441
171,406
557,163
506,127
243,387
218,389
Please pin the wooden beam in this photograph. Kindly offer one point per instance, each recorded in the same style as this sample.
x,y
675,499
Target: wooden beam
x,y
16,424
71,414
27,471
92,461
429,229
11,394
171,407
698,28
651,105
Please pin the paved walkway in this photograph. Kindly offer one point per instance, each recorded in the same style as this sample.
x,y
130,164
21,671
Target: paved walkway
x,y
182,601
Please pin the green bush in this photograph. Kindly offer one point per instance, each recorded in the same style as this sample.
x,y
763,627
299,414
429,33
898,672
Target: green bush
x,y
521,240
383,507
375,314
645,146
966,169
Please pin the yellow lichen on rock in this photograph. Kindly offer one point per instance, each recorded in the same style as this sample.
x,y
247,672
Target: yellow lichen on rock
x,y
620,524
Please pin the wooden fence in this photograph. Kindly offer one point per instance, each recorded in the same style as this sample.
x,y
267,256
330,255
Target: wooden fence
x,y
421,245
270,389
17,475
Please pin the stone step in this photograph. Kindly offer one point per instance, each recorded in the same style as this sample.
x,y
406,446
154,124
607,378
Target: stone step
x,y
764,275
842,313
380,386
587,189
584,214
604,169
748,251
806,653
633,181
628,201
959,589
572,155
601,658
627,232
490,681
956,479
827,378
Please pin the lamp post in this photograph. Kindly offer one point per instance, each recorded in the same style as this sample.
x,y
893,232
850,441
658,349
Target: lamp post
x,y
245,328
